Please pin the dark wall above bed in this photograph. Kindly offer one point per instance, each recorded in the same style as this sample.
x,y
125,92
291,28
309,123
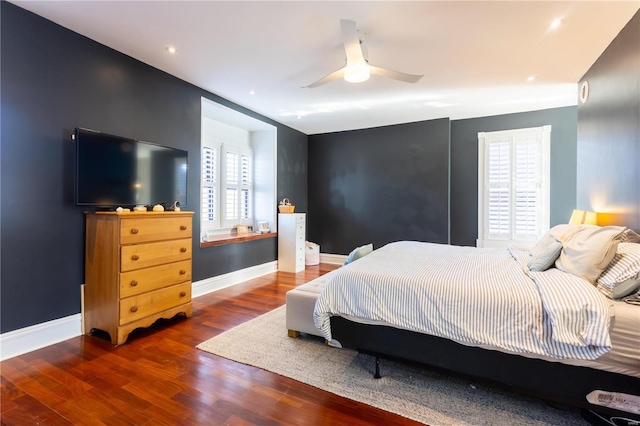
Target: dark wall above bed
x,y
464,165
54,80
353,176
608,172
379,185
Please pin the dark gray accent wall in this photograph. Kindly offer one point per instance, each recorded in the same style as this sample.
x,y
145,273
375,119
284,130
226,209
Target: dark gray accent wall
x,y
54,80
608,155
379,185
464,165
292,166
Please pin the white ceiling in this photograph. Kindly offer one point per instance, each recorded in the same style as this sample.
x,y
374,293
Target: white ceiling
x,y
476,56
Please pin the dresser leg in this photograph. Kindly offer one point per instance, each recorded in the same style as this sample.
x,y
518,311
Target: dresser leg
x,y
122,337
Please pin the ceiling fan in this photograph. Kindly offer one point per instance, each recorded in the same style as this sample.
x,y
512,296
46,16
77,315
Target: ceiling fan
x,y
357,68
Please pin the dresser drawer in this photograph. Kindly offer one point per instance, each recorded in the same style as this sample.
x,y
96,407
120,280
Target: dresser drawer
x,y
151,254
141,230
153,278
143,305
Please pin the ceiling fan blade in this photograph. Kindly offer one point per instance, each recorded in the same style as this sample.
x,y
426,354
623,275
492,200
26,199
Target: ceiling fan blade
x,y
351,41
337,74
396,75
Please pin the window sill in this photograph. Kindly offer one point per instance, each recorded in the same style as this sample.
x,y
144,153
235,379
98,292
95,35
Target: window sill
x,y
221,240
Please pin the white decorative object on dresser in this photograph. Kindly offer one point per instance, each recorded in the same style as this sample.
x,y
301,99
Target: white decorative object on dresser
x,y
137,270
291,237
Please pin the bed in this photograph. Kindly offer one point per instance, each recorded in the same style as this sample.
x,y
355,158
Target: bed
x,y
496,314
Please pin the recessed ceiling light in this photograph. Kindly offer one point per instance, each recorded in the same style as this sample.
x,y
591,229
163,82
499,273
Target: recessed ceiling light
x,y
252,92
555,24
531,78
171,49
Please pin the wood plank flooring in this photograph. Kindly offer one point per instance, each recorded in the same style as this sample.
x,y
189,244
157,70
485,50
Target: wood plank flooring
x,y
159,378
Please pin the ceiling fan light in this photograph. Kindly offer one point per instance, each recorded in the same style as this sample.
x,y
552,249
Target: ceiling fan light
x,y
357,73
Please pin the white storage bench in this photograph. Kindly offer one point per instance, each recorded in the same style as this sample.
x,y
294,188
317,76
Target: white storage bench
x,y
300,304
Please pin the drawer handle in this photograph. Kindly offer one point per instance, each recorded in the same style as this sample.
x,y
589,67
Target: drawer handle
x,y
183,227
135,257
134,309
182,271
183,249
183,293
134,230
134,283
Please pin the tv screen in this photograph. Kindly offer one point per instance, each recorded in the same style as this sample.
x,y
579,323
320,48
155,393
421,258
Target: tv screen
x,y
114,171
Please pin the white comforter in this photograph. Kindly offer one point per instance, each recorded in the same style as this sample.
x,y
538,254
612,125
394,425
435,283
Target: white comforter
x,y
473,296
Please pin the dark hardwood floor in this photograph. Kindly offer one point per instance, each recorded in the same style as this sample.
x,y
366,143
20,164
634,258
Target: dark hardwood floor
x,y
159,378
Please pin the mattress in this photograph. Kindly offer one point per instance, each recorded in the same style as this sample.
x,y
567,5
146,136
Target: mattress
x,y
623,358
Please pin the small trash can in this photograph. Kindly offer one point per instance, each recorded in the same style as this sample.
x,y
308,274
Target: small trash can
x,y
312,253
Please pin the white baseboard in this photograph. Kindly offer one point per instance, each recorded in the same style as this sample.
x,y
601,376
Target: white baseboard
x,y
333,259
219,282
38,336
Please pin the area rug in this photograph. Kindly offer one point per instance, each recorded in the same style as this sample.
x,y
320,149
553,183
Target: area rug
x,y
416,393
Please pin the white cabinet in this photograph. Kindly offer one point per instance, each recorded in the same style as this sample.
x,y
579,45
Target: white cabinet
x,y
291,237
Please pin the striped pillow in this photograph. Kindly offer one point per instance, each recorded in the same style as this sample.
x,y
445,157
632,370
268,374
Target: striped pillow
x,y
624,266
630,236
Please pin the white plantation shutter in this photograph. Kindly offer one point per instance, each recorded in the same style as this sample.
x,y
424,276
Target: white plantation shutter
x,y
246,186
238,193
498,174
231,205
210,185
527,186
231,167
513,186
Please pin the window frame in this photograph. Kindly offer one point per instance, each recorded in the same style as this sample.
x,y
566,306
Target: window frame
x,y
542,186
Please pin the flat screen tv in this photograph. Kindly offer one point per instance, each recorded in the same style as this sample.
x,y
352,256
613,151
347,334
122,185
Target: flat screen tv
x,y
113,171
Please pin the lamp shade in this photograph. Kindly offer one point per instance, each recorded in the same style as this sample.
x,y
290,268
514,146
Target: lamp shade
x,y
583,217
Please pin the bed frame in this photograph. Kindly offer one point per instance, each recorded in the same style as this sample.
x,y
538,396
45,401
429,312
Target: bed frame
x,y
542,379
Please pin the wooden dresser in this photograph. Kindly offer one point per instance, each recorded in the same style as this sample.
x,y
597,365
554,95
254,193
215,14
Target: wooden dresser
x,y
137,270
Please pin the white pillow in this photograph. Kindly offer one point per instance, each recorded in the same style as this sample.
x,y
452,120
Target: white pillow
x,y
587,249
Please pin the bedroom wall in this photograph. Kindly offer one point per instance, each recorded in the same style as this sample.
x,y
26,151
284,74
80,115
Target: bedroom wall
x,y
54,80
363,188
464,165
379,185
608,157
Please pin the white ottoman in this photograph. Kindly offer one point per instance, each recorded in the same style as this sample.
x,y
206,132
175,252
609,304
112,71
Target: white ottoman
x,y
300,304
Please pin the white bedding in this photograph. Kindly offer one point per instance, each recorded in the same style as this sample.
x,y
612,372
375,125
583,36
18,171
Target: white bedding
x,y
473,296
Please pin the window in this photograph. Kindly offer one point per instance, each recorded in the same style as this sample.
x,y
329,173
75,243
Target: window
x,y
227,197
513,186
238,177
